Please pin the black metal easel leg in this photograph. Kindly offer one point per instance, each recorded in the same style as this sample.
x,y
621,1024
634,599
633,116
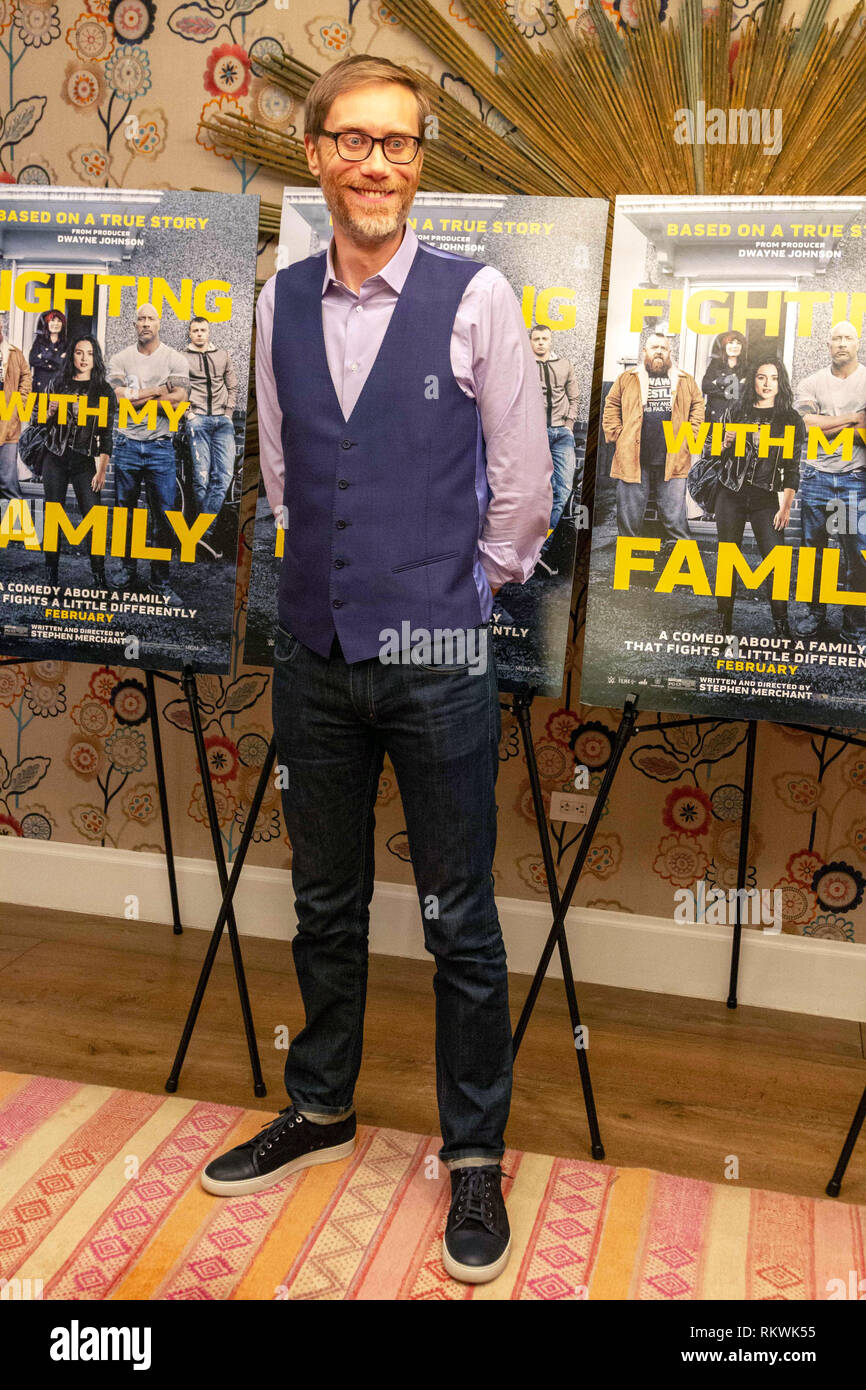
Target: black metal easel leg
x,y
226,914
834,1186
743,861
522,705
163,801
557,936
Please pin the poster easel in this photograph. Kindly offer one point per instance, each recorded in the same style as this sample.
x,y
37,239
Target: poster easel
x,y
187,683
521,708
626,730
834,1186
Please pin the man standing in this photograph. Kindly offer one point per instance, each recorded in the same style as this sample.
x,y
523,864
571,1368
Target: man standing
x,y
149,370
15,375
559,391
831,487
213,393
401,427
637,405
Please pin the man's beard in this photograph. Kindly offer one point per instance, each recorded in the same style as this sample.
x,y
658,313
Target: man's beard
x,y
372,226
658,371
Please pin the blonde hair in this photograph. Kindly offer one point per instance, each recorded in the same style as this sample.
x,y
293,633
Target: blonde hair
x,y
355,72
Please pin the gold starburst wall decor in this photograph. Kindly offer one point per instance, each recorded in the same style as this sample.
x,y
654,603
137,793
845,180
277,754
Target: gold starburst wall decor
x,y
596,111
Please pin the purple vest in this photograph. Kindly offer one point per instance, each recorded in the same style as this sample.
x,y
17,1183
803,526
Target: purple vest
x,y
383,514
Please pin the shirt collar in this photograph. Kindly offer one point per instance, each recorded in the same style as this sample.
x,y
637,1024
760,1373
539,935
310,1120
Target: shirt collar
x,y
394,273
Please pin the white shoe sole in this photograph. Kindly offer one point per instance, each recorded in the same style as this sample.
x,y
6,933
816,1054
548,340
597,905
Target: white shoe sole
x,y
266,1180
475,1274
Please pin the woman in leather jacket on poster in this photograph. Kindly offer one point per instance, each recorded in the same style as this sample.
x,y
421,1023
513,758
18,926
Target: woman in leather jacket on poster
x,y
724,381
79,454
48,352
749,485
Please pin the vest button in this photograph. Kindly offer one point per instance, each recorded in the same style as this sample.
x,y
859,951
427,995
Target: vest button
x,y
338,564
337,603
342,483
345,443
341,525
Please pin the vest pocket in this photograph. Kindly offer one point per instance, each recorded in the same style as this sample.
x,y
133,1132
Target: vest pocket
x,y
430,560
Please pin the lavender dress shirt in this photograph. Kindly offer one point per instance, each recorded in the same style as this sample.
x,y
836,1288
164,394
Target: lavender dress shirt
x,y
492,362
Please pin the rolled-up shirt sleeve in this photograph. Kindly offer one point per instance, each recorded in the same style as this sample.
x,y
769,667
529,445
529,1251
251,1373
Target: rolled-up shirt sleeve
x,y
806,397
115,374
493,363
268,410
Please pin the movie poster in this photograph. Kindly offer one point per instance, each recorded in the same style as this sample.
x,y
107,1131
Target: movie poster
x,y
551,251
126,326
728,562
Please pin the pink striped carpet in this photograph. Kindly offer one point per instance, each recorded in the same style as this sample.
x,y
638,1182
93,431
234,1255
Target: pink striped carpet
x,y
100,1199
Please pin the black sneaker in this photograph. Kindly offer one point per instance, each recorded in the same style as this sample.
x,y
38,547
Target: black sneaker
x,y
477,1239
282,1147
167,594
816,619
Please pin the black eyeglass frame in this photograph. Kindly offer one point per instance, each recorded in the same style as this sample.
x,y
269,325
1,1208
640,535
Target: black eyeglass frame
x,y
375,140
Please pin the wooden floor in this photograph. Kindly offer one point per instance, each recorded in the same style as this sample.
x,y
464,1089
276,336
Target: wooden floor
x,y
680,1084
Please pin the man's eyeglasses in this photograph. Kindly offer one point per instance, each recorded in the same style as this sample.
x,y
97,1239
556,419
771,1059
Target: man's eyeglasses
x,y
357,145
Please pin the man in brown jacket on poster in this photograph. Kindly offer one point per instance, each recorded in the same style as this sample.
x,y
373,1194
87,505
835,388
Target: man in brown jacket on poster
x,y
15,375
637,405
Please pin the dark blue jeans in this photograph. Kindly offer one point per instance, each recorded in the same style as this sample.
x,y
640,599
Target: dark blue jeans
x,y
440,726
561,441
212,444
632,500
9,484
150,462
820,493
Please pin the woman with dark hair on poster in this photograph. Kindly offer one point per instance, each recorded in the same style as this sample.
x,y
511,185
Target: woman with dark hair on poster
x,y
725,378
48,351
749,485
79,453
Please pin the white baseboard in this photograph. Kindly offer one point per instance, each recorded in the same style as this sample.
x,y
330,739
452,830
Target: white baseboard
x,y
804,975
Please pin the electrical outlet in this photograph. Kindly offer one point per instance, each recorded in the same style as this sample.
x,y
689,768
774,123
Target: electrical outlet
x,y
570,806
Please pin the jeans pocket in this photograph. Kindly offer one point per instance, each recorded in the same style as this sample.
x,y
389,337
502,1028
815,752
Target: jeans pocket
x,y
470,656
444,668
286,646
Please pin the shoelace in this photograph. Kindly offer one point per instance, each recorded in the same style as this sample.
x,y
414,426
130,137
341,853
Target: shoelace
x,y
473,1199
273,1129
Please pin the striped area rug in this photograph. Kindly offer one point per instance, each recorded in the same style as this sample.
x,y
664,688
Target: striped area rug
x,y
100,1199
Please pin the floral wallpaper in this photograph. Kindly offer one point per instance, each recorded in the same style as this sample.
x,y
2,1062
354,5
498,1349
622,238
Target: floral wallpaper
x,y
112,92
